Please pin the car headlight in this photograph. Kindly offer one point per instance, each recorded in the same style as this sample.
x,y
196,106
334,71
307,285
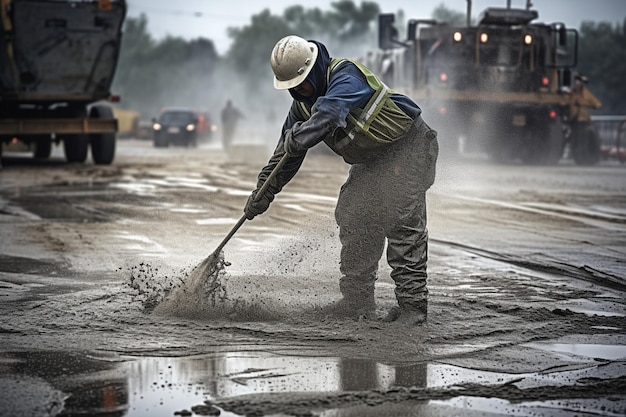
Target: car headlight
x,y
191,127
156,126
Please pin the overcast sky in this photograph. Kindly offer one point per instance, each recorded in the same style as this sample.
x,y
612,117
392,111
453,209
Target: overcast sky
x,y
210,18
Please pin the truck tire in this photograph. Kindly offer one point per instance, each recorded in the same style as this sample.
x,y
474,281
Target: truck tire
x,y
555,143
585,144
543,144
43,148
102,144
76,147
531,147
551,142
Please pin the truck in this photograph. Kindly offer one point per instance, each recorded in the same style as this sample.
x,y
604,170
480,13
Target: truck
x,y
498,87
57,63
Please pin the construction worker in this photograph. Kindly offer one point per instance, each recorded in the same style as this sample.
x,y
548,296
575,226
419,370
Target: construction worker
x,y
230,116
584,141
581,99
392,153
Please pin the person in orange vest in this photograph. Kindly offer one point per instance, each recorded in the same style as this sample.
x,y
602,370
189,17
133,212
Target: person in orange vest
x,y
584,141
581,99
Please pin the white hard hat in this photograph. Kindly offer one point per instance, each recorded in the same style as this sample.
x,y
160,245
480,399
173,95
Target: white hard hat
x,y
292,60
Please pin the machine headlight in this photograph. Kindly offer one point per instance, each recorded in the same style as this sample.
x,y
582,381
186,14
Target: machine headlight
x,y
156,126
190,127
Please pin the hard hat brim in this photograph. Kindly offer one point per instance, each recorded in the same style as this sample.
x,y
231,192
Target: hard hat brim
x,y
287,84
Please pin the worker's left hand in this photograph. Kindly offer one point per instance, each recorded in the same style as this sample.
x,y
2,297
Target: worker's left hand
x,y
255,206
291,145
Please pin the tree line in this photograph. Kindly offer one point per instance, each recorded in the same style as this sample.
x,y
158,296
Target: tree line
x,y
174,71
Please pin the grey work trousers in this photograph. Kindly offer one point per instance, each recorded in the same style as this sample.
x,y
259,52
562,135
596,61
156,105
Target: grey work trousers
x,y
386,199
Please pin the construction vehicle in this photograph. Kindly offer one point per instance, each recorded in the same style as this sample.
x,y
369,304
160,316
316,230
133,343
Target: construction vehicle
x,y
498,87
127,122
57,62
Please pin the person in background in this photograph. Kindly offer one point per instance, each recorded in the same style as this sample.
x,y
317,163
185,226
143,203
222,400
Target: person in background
x,y
392,153
230,117
581,99
584,143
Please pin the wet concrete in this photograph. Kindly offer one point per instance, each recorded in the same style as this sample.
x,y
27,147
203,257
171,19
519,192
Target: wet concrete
x,y
526,310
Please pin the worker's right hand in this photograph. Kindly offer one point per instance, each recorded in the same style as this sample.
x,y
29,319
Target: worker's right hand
x,y
257,205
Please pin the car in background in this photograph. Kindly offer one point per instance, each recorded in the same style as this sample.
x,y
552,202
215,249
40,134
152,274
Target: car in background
x,y
181,126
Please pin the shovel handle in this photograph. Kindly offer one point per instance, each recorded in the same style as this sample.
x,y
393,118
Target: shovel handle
x,y
230,234
262,190
272,175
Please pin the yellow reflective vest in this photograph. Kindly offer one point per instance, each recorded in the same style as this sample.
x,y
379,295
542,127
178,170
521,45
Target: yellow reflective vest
x,y
376,125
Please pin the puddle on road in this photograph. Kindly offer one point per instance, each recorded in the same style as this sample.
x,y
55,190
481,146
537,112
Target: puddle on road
x,y
217,221
137,188
590,312
163,386
141,244
188,210
150,186
594,351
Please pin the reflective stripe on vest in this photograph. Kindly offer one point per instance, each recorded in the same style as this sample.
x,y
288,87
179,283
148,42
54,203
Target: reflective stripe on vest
x,y
372,108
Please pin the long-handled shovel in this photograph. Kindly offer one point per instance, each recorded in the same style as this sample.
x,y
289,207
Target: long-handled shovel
x,y
203,282
215,262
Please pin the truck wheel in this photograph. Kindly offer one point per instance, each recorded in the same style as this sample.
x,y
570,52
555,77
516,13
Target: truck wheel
x,y
555,143
102,144
550,133
43,148
543,143
585,145
76,147
531,149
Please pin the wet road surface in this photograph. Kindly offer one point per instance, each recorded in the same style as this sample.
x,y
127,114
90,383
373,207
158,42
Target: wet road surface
x,y
526,275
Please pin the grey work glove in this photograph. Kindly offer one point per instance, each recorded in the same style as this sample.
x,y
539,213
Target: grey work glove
x,y
255,206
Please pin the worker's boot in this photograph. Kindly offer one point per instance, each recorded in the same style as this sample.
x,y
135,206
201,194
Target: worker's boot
x,y
354,307
410,314
358,298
